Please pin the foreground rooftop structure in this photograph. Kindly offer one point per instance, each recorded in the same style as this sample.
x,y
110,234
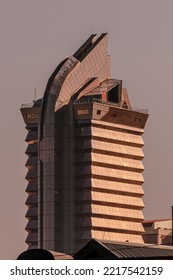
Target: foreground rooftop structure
x,y
84,156
111,250
158,231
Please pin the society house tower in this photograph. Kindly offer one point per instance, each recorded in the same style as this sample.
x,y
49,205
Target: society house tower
x,y
84,156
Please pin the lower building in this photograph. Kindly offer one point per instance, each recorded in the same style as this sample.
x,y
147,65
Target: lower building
x,y
158,232
111,250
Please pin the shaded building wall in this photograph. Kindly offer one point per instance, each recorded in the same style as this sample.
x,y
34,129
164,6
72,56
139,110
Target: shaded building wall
x,y
158,236
158,232
65,199
30,115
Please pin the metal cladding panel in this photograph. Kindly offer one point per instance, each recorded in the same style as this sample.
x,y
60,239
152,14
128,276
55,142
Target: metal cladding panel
x,y
32,237
31,174
32,135
109,173
110,211
110,148
32,149
32,199
32,161
88,86
109,160
116,187
111,135
126,117
31,225
126,138
79,54
110,199
116,126
111,224
32,212
93,65
30,115
32,186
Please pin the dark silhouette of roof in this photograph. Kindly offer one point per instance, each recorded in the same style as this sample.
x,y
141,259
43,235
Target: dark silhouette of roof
x,y
102,249
36,254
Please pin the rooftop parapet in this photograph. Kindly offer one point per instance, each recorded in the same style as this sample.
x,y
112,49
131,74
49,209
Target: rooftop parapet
x,y
26,105
108,103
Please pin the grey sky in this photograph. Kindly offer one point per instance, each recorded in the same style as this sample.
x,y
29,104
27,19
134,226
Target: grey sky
x,y
35,36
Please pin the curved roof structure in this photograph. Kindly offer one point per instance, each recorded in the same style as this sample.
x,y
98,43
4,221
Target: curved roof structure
x,y
74,73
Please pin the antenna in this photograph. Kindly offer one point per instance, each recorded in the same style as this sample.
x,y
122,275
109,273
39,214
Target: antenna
x,y
35,95
91,29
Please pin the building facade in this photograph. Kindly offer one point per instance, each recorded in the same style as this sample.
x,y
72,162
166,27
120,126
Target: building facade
x,y
158,232
85,151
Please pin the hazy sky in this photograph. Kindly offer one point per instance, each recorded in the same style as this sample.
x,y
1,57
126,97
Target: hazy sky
x,y
35,36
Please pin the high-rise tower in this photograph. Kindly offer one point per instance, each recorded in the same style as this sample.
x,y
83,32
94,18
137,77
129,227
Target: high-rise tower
x,y
89,176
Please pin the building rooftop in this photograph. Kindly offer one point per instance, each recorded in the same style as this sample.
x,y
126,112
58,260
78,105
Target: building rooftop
x,y
158,223
102,249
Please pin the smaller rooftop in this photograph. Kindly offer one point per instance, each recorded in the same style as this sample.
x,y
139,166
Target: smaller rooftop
x,y
158,223
102,249
35,103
